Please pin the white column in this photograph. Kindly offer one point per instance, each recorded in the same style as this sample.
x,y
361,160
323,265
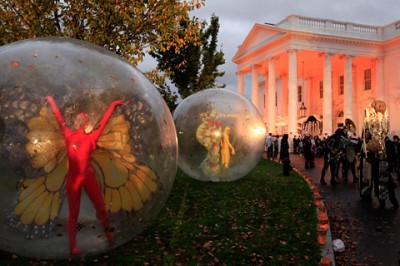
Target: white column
x,y
240,76
348,88
271,96
266,105
254,85
310,91
285,92
379,79
292,93
327,103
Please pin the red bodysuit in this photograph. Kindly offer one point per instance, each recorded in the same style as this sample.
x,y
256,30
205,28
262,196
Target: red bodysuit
x,y
80,145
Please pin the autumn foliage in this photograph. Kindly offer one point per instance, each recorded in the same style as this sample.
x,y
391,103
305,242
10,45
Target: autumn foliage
x,y
130,28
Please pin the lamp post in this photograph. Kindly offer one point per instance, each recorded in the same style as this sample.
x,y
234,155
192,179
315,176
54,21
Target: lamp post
x,y
303,110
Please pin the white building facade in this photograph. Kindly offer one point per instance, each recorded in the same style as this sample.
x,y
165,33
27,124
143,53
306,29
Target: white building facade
x,y
334,69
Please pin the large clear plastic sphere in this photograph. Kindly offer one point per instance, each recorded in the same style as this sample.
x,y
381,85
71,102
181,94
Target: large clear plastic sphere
x,y
135,160
220,135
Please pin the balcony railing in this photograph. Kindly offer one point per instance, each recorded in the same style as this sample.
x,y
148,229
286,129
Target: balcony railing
x,y
331,27
335,25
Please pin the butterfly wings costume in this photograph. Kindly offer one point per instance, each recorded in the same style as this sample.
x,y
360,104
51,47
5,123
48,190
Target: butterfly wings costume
x,y
125,184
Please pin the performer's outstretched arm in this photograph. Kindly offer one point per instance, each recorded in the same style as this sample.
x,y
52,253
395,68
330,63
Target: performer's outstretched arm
x,y
57,113
97,131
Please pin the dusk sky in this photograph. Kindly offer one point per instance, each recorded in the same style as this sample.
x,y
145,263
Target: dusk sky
x,y
237,17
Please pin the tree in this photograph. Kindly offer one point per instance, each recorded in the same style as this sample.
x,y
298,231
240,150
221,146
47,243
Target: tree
x,y
194,67
131,28
169,96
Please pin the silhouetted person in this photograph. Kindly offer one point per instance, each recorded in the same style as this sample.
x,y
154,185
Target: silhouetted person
x,y
308,153
284,155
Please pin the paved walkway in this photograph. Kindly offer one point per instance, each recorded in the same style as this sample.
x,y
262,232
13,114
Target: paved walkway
x,y
372,235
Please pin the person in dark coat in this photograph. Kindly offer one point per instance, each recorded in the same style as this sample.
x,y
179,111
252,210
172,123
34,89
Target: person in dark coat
x,y
390,154
332,153
284,148
396,165
327,156
349,158
308,153
284,155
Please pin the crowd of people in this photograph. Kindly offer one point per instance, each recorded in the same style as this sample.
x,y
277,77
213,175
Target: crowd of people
x,y
343,153
275,146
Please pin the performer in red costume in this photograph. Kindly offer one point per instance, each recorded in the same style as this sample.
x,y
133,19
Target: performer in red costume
x,y
80,145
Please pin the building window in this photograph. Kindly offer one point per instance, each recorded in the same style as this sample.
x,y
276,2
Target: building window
x,y
367,80
299,94
276,99
264,101
341,85
321,89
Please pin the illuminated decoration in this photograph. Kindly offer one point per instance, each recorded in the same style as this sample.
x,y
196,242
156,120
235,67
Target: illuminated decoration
x,y
311,125
221,135
377,122
376,129
302,110
129,153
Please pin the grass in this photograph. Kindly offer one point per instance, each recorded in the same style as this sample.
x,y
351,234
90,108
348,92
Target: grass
x,y
264,218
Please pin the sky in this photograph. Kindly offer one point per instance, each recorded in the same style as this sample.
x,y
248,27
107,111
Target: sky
x,y
237,17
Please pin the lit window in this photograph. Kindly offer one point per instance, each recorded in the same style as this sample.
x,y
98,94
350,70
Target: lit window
x,y
321,89
367,80
264,101
299,94
341,85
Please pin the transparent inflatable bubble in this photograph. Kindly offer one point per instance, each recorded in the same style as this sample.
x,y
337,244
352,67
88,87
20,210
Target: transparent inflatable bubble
x,y
220,135
134,162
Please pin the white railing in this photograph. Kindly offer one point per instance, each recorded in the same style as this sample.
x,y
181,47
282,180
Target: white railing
x,y
326,24
311,22
339,26
363,28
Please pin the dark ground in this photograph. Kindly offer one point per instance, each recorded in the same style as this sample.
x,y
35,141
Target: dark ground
x,y
371,235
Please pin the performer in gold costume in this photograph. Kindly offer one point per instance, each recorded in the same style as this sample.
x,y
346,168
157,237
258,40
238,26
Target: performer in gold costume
x,y
226,151
375,174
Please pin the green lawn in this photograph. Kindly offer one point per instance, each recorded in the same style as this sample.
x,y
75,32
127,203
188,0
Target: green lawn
x,y
264,218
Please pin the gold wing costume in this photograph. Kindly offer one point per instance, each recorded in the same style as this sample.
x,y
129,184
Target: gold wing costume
x,y
126,183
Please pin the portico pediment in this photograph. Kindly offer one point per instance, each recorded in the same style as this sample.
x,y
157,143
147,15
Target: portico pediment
x,y
259,36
